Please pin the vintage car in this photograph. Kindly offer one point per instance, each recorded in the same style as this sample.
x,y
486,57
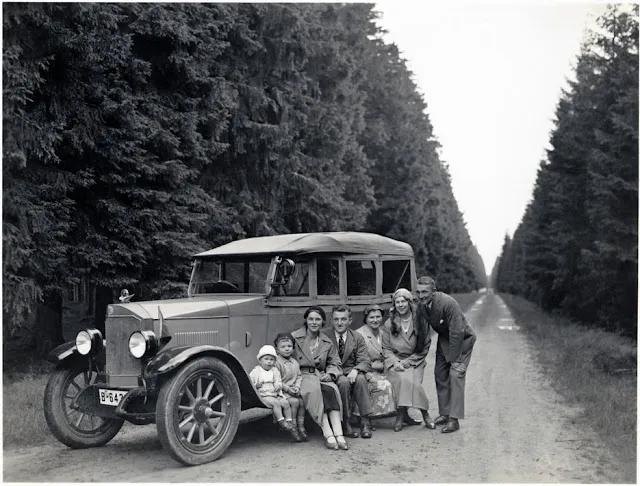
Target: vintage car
x,y
183,364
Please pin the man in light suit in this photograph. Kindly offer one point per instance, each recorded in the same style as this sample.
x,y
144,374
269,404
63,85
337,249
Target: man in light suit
x,y
352,384
455,344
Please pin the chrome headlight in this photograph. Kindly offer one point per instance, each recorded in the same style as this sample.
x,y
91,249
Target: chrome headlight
x,y
142,343
88,340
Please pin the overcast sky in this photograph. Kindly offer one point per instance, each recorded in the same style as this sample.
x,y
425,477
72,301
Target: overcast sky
x,y
491,76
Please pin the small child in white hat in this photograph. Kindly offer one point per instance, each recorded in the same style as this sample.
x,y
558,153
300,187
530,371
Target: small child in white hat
x,y
268,382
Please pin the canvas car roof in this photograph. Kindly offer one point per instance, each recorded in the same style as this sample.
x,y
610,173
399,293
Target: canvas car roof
x,y
309,243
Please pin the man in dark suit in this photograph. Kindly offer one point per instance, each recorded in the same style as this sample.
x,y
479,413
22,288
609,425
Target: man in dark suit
x,y
455,344
352,384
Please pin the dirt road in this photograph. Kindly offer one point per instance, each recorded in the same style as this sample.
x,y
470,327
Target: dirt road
x,y
517,429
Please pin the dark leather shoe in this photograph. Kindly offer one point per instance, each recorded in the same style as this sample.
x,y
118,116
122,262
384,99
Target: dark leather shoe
x,y
410,421
451,426
398,426
295,434
441,420
349,432
365,430
428,421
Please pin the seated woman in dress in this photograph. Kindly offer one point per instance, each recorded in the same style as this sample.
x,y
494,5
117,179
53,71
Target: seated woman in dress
x,y
382,399
405,344
320,367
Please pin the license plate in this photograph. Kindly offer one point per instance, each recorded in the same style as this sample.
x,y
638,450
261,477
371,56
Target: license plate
x,y
110,397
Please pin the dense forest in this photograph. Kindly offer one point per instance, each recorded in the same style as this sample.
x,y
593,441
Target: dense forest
x,y
136,135
576,248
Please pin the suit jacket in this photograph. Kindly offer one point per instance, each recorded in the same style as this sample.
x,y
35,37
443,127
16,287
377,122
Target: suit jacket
x,y
325,359
455,336
356,354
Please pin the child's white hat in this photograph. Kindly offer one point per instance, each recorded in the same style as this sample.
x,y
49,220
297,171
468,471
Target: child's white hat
x,y
267,350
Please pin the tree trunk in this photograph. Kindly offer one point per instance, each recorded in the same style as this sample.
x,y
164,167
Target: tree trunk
x,y
104,297
48,324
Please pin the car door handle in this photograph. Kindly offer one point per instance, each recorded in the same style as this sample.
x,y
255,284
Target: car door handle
x,y
247,339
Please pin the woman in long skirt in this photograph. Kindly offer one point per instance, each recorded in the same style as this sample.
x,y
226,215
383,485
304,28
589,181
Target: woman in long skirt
x,y
405,344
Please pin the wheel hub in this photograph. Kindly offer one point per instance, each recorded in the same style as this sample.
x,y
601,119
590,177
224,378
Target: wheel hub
x,y
202,411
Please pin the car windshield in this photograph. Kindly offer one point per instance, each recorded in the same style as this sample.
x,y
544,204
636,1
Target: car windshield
x,y
230,276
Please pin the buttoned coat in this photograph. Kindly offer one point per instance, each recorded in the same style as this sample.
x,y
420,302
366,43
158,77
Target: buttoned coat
x,y
355,353
380,388
374,347
455,336
325,359
290,372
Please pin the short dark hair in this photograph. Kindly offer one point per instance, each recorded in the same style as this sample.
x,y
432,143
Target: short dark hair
x,y
427,281
369,309
341,308
319,310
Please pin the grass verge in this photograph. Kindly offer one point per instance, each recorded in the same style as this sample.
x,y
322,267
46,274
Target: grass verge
x,y
465,300
591,368
22,412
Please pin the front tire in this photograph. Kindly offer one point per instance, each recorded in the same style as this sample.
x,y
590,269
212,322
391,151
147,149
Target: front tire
x,y
72,427
198,411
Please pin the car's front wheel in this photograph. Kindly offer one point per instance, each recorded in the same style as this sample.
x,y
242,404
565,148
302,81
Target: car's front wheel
x,y
198,411
70,426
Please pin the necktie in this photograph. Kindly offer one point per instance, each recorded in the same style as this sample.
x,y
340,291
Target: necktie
x,y
341,345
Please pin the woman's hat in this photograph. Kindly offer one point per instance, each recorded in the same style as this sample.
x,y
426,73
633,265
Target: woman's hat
x,y
267,350
402,293
283,336
318,309
371,308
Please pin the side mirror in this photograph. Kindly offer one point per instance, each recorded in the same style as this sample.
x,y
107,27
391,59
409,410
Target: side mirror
x,y
285,269
125,296
282,272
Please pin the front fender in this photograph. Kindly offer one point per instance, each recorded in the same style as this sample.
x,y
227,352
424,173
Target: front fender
x,y
170,359
62,352
66,355
173,358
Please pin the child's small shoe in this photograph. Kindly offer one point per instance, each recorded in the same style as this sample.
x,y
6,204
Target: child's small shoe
x,y
302,431
285,425
295,434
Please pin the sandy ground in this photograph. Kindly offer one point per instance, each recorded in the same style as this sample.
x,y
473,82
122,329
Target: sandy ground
x,y
517,429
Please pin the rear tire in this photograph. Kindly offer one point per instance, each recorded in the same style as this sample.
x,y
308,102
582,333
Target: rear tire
x,y
78,430
198,411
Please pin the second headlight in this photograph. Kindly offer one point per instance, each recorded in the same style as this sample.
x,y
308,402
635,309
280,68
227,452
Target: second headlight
x,y
142,343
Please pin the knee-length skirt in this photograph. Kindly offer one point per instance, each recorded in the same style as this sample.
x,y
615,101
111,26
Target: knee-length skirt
x,y
319,396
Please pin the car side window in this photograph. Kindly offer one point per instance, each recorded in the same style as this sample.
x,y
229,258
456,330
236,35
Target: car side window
x,y
328,276
361,277
298,284
395,274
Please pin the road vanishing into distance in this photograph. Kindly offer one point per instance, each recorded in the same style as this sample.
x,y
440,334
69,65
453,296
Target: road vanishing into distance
x,y
517,429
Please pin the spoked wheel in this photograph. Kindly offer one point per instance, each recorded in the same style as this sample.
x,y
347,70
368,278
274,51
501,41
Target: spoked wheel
x,y
70,426
198,411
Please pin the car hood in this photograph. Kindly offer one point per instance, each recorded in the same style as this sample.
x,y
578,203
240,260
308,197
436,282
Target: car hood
x,y
200,306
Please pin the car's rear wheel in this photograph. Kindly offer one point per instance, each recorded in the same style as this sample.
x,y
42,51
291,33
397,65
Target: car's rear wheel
x,y
198,411
70,426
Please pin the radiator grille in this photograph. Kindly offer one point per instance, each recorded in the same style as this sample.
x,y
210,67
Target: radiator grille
x,y
196,337
119,360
